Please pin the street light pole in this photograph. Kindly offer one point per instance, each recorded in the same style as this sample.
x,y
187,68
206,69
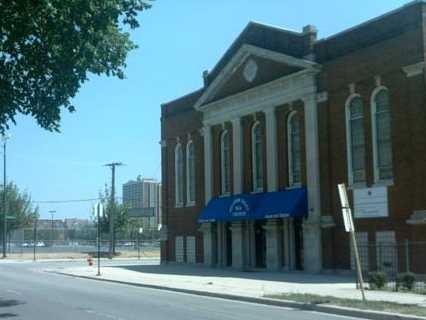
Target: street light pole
x,y
4,138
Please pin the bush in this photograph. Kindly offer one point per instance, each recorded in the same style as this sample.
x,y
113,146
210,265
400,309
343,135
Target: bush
x,y
377,280
405,280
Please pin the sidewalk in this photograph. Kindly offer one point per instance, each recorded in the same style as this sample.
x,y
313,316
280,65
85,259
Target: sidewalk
x,y
246,284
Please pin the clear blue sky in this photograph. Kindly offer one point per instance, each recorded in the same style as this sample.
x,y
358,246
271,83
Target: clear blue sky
x,y
119,120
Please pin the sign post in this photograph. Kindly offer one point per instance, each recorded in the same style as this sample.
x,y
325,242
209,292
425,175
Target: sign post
x,y
99,209
349,227
139,247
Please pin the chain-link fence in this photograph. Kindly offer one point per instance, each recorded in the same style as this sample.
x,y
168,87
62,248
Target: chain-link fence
x,y
63,249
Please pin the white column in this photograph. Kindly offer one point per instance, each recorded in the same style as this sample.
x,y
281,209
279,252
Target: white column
x,y
208,168
237,245
273,245
208,244
311,227
271,149
237,155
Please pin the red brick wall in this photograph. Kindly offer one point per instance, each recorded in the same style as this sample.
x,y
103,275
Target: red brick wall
x,y
408,112
381,48
182,221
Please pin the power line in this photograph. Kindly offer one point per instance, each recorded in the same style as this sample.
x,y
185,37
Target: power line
x,y
66,201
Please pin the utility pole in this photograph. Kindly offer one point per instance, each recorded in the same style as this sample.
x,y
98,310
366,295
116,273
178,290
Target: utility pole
x,y
112,208
52,212
4,138
35,238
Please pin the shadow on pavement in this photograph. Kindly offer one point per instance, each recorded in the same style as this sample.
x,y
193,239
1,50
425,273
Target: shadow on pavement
x,y
200,271
7,315
4,303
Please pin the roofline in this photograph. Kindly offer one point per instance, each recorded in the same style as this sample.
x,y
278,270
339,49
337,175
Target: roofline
x,y
380,17
278,28
181,97
244,30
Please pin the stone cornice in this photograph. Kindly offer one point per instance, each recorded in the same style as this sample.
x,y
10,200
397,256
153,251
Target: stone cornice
x,y
239,58
269,95
414,69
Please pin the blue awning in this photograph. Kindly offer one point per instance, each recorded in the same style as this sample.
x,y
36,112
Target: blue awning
x,y
256,206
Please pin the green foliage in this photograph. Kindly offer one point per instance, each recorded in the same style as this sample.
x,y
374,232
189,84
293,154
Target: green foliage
x,y
47,49
377,280
19,209
121,219
405,280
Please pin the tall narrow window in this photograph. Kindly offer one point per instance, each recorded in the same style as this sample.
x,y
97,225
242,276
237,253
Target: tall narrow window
x,y
190,174
355,140
225,159
257,157
382,140
294,150
178,175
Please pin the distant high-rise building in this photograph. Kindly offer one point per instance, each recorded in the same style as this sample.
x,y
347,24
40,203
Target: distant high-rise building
x,y
144,195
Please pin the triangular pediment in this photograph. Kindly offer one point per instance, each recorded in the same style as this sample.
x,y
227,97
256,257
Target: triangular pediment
x,y
251,67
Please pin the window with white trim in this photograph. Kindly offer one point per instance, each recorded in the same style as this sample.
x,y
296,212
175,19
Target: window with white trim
x,y
178,175
257,157
355,140
382,137
225,162
294,150
190,174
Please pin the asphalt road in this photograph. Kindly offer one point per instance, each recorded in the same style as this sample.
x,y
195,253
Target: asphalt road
x,y
28,292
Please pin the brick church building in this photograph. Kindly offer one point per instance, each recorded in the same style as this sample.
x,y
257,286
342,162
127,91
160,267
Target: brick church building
x,y
251,161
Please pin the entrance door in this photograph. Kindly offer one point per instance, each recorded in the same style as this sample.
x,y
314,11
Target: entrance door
x,y
260,243
228,240
298,235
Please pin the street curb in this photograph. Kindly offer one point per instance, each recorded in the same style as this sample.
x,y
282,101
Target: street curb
x,y
330,309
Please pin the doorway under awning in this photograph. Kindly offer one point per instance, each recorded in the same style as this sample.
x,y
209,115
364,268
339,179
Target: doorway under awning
x,y
256,206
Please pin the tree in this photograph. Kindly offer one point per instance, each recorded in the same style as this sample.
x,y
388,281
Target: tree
x,y
48,47
19,208
121,219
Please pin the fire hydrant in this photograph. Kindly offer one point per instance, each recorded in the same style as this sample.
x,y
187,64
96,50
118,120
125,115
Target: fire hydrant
x,y
90,260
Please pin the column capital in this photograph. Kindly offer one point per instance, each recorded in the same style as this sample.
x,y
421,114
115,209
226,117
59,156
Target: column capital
x,y
205,129
236,120
270,111
309,98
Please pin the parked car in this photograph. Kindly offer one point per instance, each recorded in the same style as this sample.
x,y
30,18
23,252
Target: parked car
x,y
128,244
40,244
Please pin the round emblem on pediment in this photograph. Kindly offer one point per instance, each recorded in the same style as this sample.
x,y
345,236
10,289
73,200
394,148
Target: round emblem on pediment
x,y
250,70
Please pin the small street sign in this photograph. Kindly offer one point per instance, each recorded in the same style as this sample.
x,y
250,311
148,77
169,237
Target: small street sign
x,y
99,210
349,227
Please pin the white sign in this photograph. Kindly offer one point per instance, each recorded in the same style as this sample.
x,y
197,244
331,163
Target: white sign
x,y
346,210
99,209
371,202
347,220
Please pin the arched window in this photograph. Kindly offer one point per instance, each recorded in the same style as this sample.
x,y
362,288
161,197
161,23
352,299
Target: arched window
x,y
382,140
190,174
294,150
355,139
225,162
178,175
257,156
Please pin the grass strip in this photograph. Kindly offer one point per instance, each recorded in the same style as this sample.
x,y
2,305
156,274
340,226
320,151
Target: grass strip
x,y
385,306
